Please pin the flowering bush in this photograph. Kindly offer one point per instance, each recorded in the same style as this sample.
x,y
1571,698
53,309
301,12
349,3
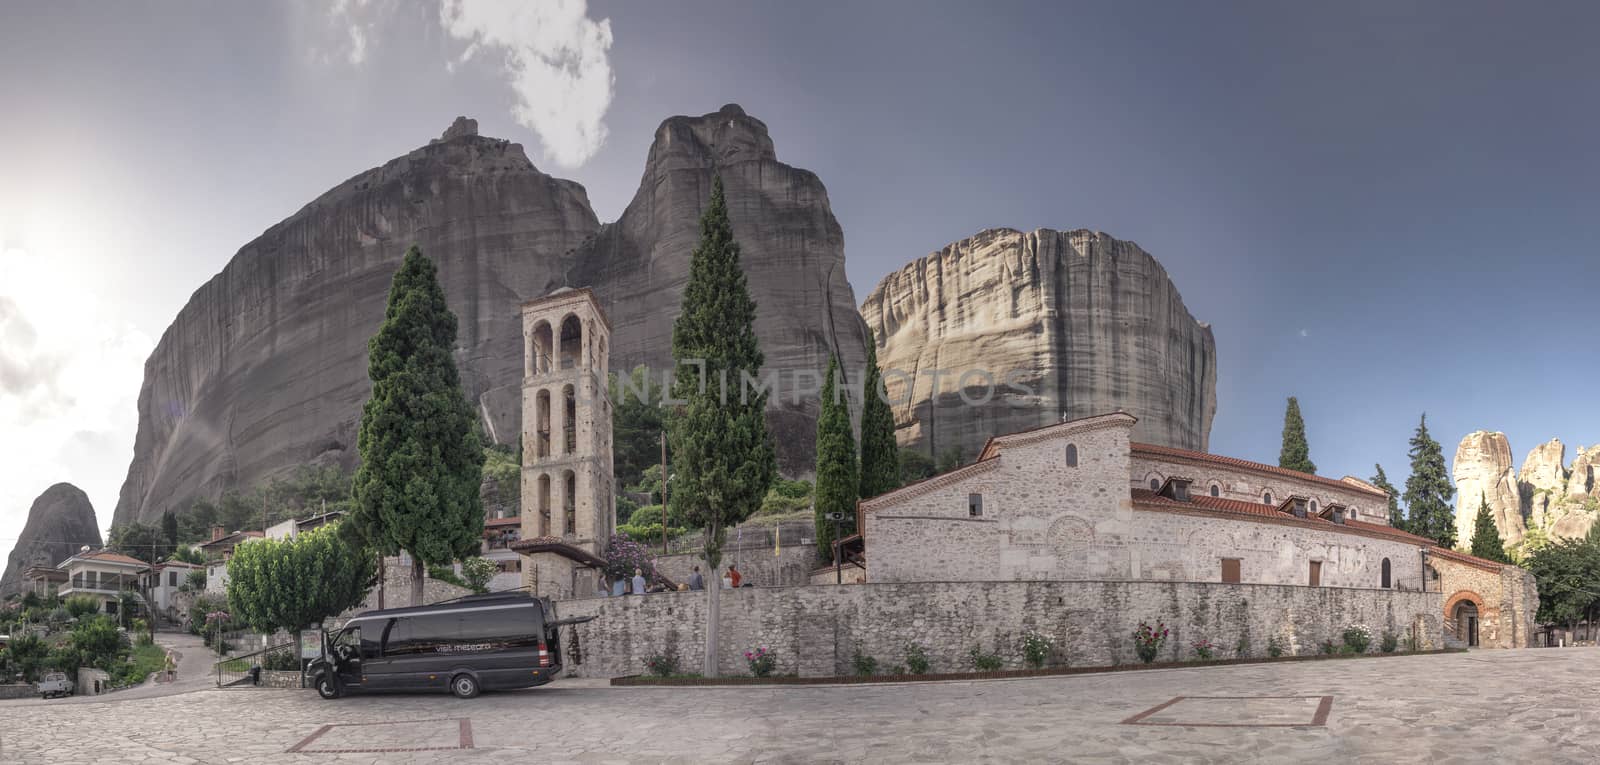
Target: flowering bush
x,y
1036,649
1204,649
216,617
1147,640
623,555
762,661
661,665
1357,637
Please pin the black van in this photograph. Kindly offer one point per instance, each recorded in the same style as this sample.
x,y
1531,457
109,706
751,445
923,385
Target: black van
x,y
480,642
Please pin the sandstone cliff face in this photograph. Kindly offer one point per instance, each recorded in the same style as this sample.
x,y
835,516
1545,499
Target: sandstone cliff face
x,y
1542,481
1483,469
791,248
266,367
1068,323
60,521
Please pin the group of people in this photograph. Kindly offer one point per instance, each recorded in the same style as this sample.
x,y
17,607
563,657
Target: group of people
x,y
638,585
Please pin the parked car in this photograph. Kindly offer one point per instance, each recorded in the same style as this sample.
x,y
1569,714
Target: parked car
x,y
53,684
471,644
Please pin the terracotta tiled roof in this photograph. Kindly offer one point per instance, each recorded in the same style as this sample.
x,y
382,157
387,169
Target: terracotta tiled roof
x,y
1234,462
1461,557
493,523
109,557
1270,513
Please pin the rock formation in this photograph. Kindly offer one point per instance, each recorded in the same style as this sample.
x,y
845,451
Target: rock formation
x,y
1483,469
1542,481
60,521
1580,478
1060,323
266,367
791,247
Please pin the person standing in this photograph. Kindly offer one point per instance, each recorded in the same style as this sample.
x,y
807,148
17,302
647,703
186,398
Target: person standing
x,y
734,576
638,581
696,582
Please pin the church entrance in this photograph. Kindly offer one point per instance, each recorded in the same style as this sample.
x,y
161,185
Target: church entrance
x,y
1466,619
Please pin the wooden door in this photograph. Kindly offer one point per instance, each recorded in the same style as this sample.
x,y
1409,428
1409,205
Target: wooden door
x,y
1230,570
1316,573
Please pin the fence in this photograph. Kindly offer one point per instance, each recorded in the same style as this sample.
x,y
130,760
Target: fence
x,y
247,669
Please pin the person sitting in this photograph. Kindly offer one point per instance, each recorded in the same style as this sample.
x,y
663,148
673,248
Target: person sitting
x,y
733,575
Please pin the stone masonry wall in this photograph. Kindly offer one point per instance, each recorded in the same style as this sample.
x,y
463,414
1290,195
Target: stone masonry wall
x,y
757,565
1506,599
1249,485
816,630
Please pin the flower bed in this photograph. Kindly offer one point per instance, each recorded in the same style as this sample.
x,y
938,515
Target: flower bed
x,y
634,680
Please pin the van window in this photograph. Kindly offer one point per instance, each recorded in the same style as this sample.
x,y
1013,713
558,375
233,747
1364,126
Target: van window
x,y
465,630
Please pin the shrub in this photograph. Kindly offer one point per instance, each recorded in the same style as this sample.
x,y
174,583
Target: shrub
x,y
1204,649
984,662
447,575
623,555
81,605
478,571
281,661
864,665
1328,647
917,659
1036,649
1147,641
897,670
661,665
1274,647
762,661
196,579
1357,638
1241,649
1390,642
27,655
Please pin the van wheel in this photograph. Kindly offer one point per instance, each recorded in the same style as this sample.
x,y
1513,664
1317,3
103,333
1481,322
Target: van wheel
x,y
464,686
327,686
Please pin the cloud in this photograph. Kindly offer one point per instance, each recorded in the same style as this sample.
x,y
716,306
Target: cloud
x,y
1305,333
556,60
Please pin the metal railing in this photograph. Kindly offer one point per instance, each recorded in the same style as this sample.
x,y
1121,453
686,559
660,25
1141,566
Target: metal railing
x,y
247,669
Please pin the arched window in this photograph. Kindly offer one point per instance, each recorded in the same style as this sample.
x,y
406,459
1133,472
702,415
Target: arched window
x,y
1313,507
1385,573
1072,455
1216,491
1155,484
1266,499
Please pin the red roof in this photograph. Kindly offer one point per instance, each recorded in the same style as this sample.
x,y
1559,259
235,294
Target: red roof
x,y
109,557
499,522
1461,557
1234,462
1256,510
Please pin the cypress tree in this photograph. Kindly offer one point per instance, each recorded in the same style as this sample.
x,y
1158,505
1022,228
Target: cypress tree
x,y
1397,519
1428,490
723,461
169,530
880,454
1296,454
1486,542
421,461
836,464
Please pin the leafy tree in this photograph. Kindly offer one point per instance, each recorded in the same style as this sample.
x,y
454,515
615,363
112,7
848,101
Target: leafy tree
x,y
1428,490
477,571
27,655
1486,542
187,554
1397,519
837,482
196,579
723,461
287,584
421,462
1296,454
649,483
949,460
1566,571
138,540
880,453
915,466
636,423
169,528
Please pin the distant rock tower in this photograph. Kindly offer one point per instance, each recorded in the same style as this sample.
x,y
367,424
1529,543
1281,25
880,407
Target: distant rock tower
x,y
568,493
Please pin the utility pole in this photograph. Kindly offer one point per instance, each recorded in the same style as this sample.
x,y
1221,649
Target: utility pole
x,y
663,491
838,549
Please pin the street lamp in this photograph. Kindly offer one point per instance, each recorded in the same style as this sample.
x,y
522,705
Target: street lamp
x,y
838,549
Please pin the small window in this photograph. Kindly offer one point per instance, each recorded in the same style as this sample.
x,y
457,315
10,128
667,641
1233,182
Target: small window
x,y
1155,484
974,505
1072,455
1216,491
1386,582
1230,570
1313,507
1266,499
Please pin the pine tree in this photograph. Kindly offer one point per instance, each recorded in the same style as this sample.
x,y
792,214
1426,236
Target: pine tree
x,y
1397,519
723,461
1486,542
1428,490
421,461
1296,454
880,453
837,481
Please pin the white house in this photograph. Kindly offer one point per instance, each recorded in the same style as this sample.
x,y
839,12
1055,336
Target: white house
x,y
101,574
218,552
162,582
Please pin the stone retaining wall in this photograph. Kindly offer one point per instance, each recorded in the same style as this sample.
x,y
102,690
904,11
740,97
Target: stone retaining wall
x,y
20,691
757,564
815,630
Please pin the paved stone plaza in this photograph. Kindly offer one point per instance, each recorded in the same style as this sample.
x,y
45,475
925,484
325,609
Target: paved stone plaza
x,y
1530,705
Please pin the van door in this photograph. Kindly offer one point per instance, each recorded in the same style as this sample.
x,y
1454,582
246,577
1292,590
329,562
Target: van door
x,y
411,655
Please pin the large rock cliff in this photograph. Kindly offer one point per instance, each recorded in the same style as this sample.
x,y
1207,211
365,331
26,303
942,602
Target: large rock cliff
x,y
1484,473
60,521
1061,323
265,368
791,247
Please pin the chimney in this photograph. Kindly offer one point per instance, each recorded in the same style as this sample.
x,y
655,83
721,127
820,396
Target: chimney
x,y
216,532
1299,507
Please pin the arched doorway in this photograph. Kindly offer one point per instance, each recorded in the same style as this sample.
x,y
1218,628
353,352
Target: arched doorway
x,y
1461,613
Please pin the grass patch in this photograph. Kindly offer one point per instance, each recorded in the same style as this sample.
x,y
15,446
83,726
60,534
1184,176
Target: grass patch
x,y
144,660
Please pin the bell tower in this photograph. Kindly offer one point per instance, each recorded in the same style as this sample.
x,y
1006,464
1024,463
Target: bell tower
x,y
568,492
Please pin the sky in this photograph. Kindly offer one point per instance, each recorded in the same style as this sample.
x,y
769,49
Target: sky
x,y
1383,208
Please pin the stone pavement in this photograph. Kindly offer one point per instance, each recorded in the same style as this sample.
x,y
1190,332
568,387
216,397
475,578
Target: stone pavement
x,y
1531,705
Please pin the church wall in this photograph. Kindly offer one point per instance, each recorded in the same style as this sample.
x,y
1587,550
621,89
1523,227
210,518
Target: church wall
x,y
816,630
1249,485
1506,599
